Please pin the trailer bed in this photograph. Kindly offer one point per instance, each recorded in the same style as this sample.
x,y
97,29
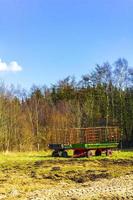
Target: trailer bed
x,y
91,146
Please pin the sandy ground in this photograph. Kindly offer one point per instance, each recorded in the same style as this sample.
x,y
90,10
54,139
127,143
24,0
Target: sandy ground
x,y
110,189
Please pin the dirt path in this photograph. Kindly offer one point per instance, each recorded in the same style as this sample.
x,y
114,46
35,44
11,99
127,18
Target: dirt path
x,y
103,189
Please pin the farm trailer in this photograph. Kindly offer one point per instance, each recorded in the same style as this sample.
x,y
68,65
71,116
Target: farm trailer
x,y
83,140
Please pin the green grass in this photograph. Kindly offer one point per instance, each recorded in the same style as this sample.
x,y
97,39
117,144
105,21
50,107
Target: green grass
x,y
46,155
29,171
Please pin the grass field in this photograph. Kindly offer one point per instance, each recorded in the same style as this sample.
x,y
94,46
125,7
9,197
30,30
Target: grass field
x,y
23,173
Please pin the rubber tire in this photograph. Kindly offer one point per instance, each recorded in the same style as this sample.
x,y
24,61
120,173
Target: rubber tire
x,y
108,152
88,154
64,154
98,152
55,154
77,152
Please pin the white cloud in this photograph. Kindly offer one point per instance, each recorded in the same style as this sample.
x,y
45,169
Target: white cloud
x,y
13,66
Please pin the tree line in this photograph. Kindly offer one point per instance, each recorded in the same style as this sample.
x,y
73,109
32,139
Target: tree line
x,y
103,97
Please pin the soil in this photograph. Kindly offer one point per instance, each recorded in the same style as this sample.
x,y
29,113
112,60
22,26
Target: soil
x,y
120,188
68,179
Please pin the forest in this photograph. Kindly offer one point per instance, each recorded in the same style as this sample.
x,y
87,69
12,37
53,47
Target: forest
x,y
103,97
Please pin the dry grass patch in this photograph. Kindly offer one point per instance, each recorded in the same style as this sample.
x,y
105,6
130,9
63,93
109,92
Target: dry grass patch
x,y
21,173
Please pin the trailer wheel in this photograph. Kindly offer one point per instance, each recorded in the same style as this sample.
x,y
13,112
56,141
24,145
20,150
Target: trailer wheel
x,y
77,152
98,152
64,154
55,153
108,152
88,154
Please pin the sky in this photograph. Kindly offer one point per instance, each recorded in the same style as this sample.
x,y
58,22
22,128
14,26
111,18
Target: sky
x,y
43,41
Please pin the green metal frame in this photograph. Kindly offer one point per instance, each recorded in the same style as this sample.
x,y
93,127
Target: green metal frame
x,y
92,146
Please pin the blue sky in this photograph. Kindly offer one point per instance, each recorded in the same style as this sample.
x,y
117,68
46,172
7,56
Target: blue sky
x,y
51,39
